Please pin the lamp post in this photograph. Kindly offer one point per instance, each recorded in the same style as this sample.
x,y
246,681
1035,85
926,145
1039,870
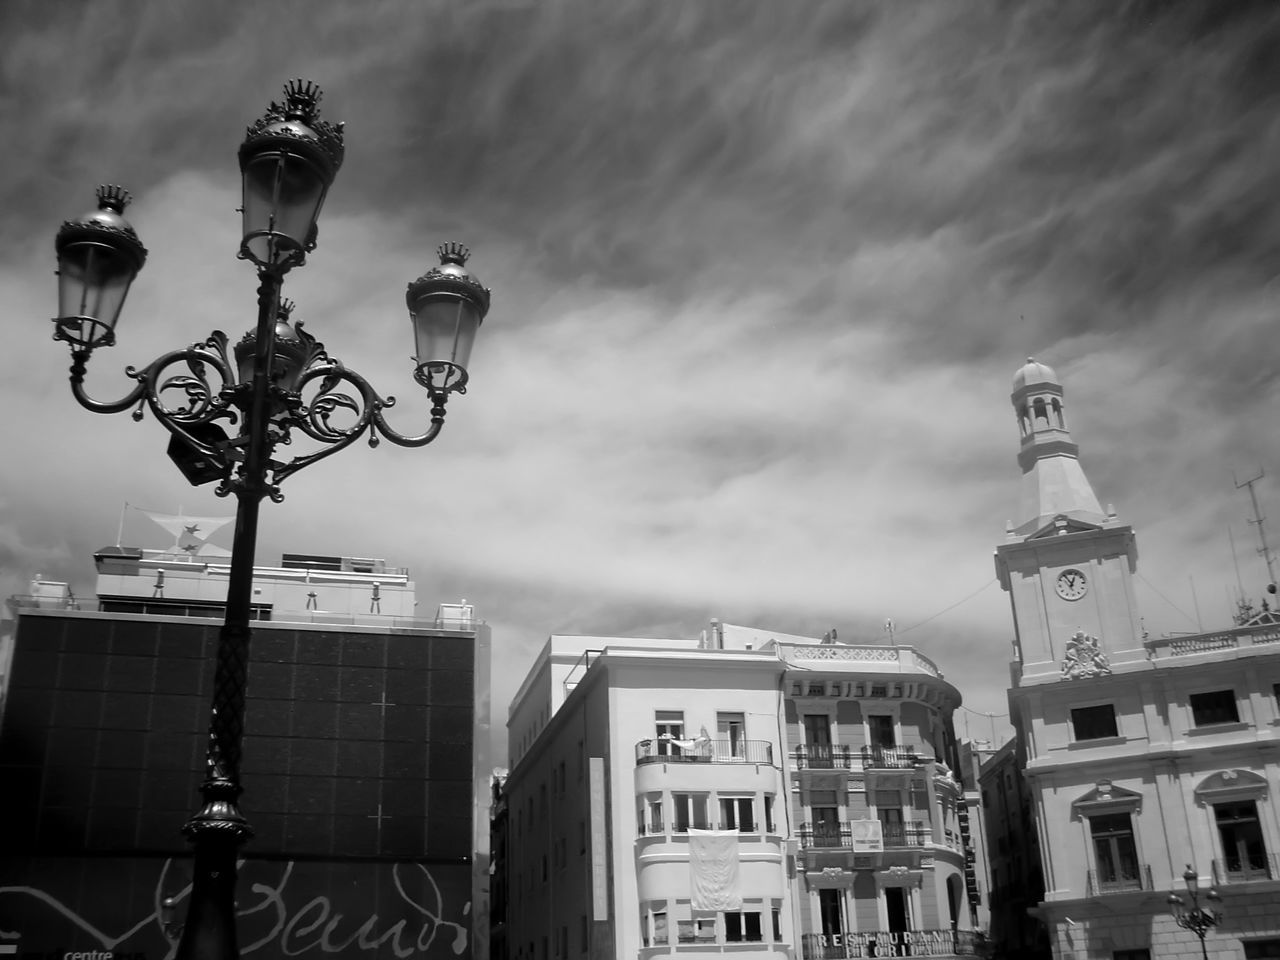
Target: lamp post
x,y
277,380
1195,918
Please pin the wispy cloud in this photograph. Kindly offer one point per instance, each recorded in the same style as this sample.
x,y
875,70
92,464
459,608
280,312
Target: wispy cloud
x,y
760,281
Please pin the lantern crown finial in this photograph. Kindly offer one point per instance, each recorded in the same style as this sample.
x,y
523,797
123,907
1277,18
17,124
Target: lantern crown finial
x,y
452,252
113,197
302,100
285,310
297,120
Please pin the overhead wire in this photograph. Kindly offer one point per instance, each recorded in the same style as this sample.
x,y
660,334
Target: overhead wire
x,y
947,609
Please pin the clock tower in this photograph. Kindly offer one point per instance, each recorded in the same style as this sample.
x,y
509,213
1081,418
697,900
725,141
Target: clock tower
x,y
1066,564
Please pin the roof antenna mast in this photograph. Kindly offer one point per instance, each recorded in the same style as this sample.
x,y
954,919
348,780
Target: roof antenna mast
x,y
1259,520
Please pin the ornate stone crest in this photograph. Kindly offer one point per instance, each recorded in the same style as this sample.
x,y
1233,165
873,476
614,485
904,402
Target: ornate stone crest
x,y
1084,658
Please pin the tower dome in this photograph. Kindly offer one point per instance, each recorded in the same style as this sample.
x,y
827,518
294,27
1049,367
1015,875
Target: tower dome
x,y
1032,373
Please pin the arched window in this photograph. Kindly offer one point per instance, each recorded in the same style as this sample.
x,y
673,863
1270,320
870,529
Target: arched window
x,y
1057,412
1024,419
1041,413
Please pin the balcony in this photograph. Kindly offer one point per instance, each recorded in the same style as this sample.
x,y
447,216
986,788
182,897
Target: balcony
x,y
1126,880
704,751
869,836
890,758
825,757
906,943
1246,869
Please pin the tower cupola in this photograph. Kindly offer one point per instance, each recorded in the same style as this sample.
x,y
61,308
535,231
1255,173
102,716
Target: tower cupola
x,y
1053,482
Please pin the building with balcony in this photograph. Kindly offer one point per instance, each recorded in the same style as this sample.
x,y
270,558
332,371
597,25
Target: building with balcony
x,y
744,792
1013,858
364,766
884,854
1141,755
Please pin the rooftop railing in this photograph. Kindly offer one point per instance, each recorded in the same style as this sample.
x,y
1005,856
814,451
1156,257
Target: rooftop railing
x,y
1175,646
214,610
704,751
860,657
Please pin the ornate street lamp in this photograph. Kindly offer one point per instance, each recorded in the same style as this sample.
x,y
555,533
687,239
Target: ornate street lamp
x,y
1195,918
277,380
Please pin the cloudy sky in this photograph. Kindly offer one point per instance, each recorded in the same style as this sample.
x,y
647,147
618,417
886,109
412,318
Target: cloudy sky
x,y
761,276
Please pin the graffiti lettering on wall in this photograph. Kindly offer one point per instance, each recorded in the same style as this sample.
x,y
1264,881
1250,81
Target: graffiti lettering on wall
x,y
283,908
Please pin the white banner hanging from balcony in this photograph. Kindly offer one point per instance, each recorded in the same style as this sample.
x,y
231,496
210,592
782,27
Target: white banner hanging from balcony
x,y
713,870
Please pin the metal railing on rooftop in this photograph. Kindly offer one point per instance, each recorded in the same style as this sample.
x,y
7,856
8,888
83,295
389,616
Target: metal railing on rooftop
x,y
214,610
1159,647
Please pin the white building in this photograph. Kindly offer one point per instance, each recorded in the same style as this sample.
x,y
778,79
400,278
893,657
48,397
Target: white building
x,y
1143,756
746,792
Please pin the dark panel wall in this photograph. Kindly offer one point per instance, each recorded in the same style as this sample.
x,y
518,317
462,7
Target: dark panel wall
x,y
357,745
307,908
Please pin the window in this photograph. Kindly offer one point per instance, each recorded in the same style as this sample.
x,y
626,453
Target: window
x,y
1142,954
740,927
670,726
1116,853
768,813
880,731
817,739
702,930
690,810
1261,949
830,910
730,729
826,826
659,927
777,925
655,814
1244,853
737,813
1094,723
1217,706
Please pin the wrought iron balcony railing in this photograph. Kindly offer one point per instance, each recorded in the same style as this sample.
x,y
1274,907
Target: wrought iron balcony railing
x,y
1258,865
851,834
660,750
913,833
883,943
1125,880
825,757
844,757
890,758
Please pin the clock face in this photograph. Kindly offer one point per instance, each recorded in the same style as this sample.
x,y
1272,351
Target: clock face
x,y
1071,584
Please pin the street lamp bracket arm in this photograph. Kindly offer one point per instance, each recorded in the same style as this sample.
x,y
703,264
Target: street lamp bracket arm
x,y
203,401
